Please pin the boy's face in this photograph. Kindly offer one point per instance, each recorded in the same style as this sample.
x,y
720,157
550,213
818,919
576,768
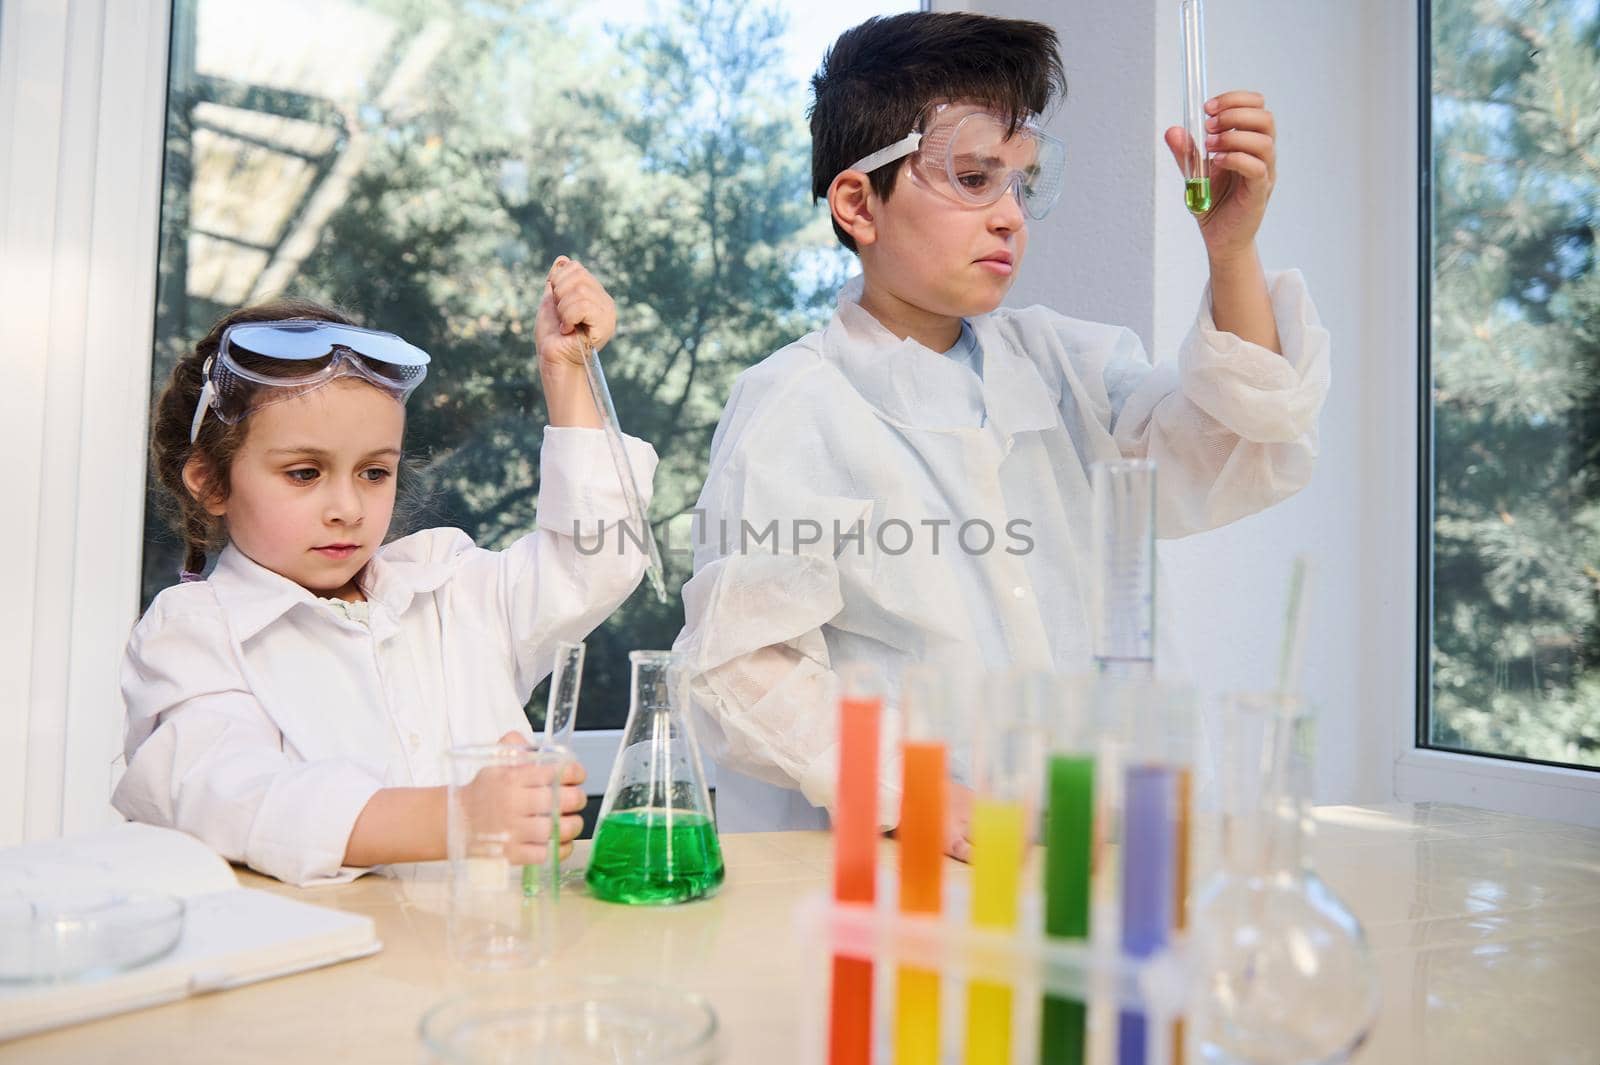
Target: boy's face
x,y
312,489
939,253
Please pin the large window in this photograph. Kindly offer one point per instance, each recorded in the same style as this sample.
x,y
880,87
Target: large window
x,y
1512,380
421,162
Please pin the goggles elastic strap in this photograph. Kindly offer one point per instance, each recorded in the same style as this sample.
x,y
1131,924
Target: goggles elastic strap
x,y
883,156
208,392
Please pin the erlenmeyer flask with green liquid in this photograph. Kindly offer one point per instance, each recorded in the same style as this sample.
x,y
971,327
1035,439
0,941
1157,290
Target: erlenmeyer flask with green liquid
x,y
656,843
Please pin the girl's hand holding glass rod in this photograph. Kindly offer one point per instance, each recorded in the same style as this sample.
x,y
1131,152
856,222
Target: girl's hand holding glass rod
x,y
575,310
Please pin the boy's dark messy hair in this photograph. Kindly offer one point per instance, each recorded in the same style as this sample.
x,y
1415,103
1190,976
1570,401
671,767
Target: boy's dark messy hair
x,y
878,76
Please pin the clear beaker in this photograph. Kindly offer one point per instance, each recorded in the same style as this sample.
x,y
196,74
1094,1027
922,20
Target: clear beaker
x,y
491,923
1287,976
656,842
1122,611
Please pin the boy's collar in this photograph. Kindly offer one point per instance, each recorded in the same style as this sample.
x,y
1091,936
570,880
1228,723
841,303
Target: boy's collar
x,y
915,386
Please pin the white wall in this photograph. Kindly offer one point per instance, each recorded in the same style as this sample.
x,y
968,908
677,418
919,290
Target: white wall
x,y
1091,256
1312,63
1122,248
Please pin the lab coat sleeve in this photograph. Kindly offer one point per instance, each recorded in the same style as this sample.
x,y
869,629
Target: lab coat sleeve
x,y
1231,425
204,758
560,581
759,672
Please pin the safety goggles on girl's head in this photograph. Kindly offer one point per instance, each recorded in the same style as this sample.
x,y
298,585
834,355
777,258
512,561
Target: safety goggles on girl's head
x,y
980,157
304,354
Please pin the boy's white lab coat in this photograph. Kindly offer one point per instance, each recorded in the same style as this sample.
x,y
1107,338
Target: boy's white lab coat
x,y
261,721
851,424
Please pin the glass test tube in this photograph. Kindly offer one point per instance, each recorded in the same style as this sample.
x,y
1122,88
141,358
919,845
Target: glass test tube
x,y
1070,846
1196,164
566,682
1006,740
1123,543
924,750
1157,786
560,718
855,841
601,393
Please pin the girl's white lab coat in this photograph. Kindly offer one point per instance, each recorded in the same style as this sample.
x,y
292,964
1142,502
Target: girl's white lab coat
x,y
851,424
261,721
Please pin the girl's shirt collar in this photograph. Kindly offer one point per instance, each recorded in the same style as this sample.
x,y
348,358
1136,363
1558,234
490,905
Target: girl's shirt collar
x,y
255,597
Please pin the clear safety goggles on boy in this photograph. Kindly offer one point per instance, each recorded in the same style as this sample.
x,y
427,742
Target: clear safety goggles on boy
x,y
980,157
327,350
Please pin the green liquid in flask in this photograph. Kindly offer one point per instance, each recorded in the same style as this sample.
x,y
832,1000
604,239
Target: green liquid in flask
x,y
650,857
1197,195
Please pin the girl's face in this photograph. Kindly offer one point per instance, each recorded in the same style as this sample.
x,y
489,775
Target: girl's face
x,y
312,489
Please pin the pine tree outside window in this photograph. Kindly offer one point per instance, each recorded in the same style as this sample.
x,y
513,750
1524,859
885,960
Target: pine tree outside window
x,y
421,162
1510,555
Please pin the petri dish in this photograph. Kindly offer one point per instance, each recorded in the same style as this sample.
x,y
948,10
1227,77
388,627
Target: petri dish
x,y
84,937
551,1021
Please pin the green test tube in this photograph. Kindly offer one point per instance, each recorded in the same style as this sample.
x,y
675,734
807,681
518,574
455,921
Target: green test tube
x,y
1069,858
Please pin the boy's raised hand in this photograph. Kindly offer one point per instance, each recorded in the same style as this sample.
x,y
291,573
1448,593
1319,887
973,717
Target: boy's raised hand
x,y
573,300
1242,137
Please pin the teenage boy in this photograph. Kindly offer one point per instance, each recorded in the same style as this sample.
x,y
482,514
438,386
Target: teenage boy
x,y
910,484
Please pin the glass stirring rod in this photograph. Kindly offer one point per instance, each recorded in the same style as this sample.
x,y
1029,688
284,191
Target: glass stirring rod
x,y
1196,161
619,458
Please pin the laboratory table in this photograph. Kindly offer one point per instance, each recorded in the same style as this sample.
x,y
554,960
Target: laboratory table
x,y
1485,929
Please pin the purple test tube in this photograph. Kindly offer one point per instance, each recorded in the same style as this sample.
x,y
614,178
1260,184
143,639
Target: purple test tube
x,y
1149,882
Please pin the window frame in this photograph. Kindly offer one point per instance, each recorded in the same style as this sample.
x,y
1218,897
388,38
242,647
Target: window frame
x,y
82,91
1423,770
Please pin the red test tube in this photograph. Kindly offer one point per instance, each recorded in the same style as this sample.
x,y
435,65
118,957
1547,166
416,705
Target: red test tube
x,y
855,859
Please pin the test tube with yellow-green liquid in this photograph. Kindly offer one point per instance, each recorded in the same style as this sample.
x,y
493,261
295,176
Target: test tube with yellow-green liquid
x,y
1196,160
1004,760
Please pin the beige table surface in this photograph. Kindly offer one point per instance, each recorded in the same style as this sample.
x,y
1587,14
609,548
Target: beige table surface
x,y
1485,928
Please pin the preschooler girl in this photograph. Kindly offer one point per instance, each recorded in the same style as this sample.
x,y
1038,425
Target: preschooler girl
x,y
291,708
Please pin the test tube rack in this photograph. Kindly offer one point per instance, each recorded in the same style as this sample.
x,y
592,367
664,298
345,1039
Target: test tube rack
x,y
1032,965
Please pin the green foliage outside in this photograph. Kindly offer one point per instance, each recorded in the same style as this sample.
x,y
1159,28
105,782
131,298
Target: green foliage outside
x,y
672,160
1516,386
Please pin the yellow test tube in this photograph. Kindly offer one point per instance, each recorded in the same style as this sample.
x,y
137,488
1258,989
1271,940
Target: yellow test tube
x,y
1003,766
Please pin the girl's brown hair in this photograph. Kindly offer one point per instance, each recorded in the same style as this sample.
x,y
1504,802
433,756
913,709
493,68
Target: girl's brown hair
x,y
218,442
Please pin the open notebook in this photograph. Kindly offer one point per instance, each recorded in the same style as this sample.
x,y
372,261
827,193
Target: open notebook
x,y
231,935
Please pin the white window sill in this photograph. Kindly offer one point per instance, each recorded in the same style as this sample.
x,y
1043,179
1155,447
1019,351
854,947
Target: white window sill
x,y
1522,788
